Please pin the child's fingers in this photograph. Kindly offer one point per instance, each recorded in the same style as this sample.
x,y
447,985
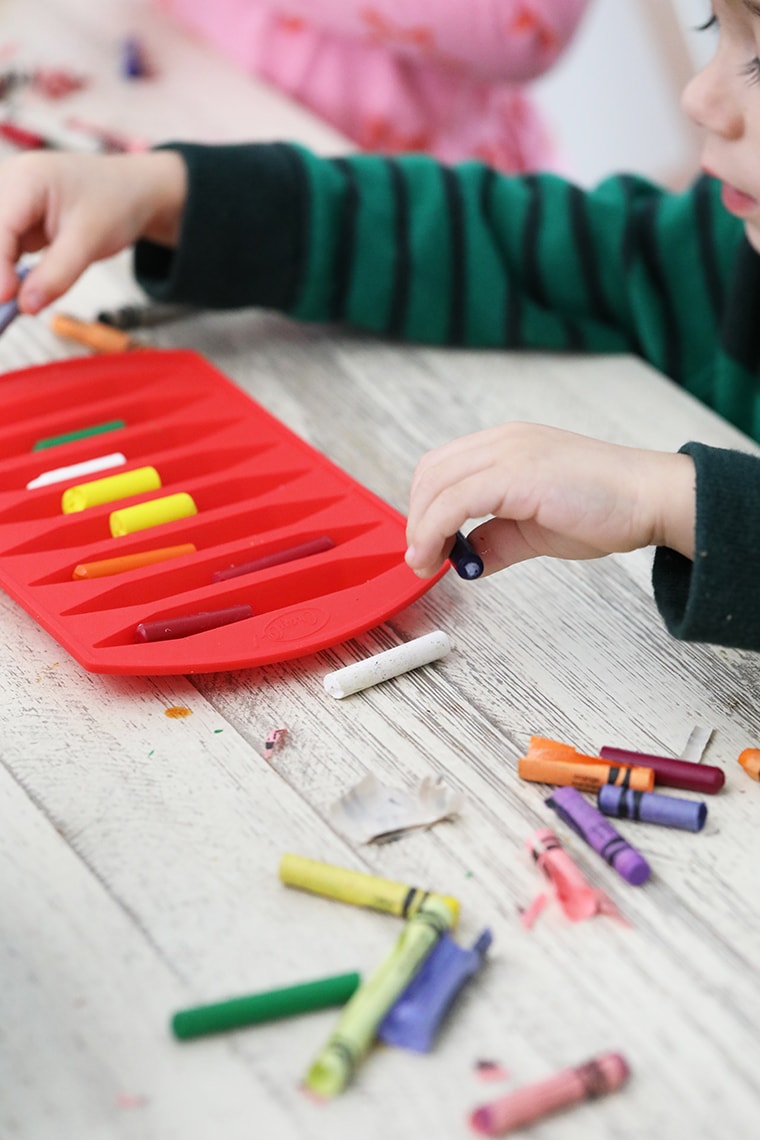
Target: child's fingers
x,y
430,531
62,263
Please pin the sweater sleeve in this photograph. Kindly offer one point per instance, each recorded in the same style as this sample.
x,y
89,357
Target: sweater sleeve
x,y
408,248
715,598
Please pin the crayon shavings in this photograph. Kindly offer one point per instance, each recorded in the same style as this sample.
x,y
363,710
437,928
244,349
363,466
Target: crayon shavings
x,y
177,712
276,736
373,812
487,1070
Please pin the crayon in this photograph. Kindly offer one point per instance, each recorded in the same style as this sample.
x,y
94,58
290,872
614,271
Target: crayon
x,y
9,310
600,835
357,888
750,762
272,1005
79,433
357,1025
602,1075
184,625
648,807
585,777
77,470
414,1019
91,334
383,666
109,489
153,513
291,554
464,558
670,773
575,895
105,567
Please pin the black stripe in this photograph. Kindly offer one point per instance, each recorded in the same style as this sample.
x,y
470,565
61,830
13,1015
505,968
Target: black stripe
x,y
612,848
513,309
401,270
634,803
455,213
344,257
531,230
411,894
588,260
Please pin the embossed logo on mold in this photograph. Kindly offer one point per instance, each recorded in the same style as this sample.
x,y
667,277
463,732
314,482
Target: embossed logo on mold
x,y
296,624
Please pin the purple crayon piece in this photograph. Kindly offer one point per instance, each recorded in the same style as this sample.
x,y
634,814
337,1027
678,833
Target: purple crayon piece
x,y
670,773
464,558
670,811
303,550
164,629
9,309
599,833
413,1020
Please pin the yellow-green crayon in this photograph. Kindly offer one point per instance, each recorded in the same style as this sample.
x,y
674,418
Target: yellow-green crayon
x,y
358,1023
357,888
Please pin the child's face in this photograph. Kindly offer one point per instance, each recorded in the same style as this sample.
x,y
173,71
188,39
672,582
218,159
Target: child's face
x,y
724,99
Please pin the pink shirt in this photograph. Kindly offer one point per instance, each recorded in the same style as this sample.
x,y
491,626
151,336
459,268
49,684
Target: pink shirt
x,y
442,76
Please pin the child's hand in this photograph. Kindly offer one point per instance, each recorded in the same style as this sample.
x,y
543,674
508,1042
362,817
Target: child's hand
x,y
551,492
79,209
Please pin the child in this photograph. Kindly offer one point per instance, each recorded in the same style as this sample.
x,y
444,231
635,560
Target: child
x,y
446,77
463,256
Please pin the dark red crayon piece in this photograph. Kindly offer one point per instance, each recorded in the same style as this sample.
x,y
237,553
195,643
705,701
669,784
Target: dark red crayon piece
x,y
302,550
670,773
165,629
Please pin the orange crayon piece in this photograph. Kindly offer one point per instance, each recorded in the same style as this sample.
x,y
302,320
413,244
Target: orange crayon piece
x,y
750,762
551,762
602,1075
92,334
107,566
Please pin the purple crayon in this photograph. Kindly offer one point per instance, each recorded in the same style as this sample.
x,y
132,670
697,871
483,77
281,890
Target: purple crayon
x,y
648,807
599,833
413,1020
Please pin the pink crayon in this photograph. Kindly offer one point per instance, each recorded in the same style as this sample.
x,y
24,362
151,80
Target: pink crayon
x,y
596,1078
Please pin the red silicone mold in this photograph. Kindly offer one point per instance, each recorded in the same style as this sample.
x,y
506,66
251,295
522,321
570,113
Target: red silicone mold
x,y
258,487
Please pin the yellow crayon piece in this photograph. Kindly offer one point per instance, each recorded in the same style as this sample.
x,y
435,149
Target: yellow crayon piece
x,y
110,488
358,1024
153,513
357,888
92,334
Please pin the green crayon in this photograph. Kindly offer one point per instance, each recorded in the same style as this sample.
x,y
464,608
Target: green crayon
x,y
271,1005
81,433
358,1023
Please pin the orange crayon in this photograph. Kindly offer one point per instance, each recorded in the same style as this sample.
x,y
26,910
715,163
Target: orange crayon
x,y
750,762
107,566
584,777
92,334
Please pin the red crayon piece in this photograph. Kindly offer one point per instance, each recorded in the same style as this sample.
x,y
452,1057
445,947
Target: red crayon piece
x,y
168,628
668,772
303,550
597,1077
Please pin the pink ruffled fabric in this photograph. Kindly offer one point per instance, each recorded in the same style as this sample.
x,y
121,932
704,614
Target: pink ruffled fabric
x,y
442,76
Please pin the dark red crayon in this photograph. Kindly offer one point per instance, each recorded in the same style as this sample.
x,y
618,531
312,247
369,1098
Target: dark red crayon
x,y
165,629
668,772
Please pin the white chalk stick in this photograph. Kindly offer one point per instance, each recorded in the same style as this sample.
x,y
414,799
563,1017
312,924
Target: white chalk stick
x,y
76,470
391,663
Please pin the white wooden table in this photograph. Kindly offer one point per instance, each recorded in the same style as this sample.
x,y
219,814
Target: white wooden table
x,y
139,853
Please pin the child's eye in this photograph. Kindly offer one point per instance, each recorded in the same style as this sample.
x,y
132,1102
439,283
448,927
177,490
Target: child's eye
x,y
711,23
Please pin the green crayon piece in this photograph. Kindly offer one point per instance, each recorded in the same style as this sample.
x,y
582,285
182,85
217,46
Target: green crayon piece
x,y
81,433
271,1005
359,1021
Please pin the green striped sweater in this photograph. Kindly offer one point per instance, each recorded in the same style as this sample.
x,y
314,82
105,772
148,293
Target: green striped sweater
x,y
410,249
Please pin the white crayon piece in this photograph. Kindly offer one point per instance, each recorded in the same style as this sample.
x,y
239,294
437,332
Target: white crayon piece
x,y
391,663
76,470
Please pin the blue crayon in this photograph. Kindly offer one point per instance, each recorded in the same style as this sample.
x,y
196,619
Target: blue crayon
x,y
414,1019
649,807
9,310
464,558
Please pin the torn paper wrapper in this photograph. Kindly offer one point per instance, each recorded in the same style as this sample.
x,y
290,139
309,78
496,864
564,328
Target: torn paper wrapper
x,y
372,812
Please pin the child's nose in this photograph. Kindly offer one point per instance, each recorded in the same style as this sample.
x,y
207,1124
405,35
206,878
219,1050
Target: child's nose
x,y
710,100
